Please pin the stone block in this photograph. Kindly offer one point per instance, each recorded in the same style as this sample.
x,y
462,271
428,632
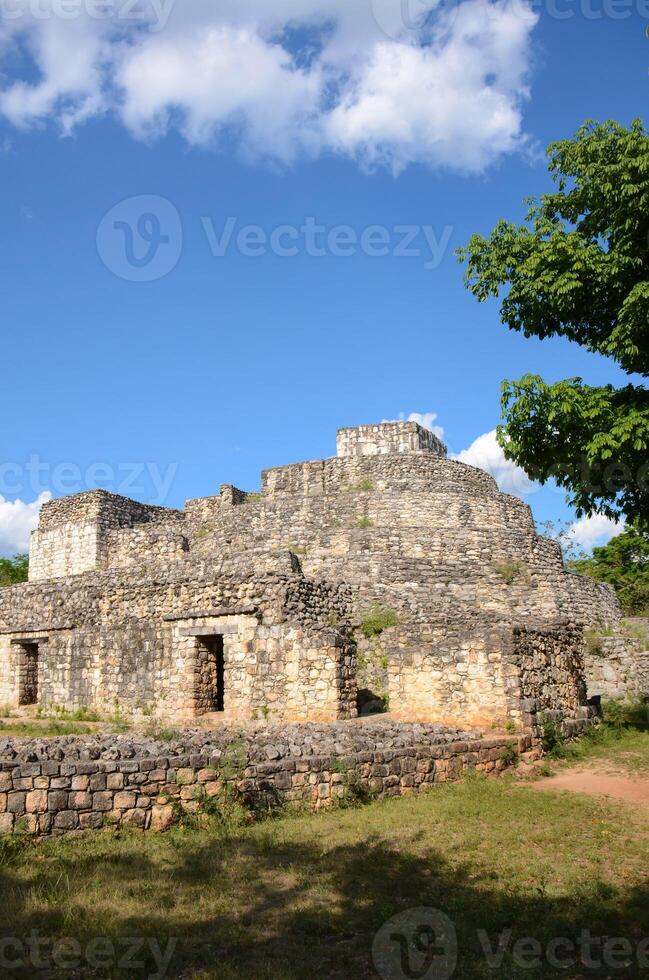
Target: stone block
x,y
91,821
57,800
16,802
36,801
124,800
80,801
162,817
102,801
6,823
66,820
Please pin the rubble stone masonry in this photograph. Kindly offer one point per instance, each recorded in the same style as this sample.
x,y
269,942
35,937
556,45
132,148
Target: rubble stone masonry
x,y
262,605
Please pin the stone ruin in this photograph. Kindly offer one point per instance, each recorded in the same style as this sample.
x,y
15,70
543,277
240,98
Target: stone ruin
x,y
388,577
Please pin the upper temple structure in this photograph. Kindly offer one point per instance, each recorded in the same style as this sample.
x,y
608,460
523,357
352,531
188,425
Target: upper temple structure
x,y
387,577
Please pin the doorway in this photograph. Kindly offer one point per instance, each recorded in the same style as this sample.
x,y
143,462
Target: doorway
x,y
28,674
210,675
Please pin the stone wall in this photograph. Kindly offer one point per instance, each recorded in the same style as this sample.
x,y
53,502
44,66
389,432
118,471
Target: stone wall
x,y
390,523
617,666
396,437
131,640
71,784
73,532
549,667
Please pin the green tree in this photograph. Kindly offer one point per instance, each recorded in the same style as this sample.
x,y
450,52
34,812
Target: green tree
x,y
14,570
624,564
579,269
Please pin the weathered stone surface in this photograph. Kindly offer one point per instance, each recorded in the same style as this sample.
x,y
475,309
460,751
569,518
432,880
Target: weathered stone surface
x,y
270,590
381,755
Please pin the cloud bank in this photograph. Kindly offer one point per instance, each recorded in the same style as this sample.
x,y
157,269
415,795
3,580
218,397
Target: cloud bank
x,y
386,83
485,453
591,532
17,520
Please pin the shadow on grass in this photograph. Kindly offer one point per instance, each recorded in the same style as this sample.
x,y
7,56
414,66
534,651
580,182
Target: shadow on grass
x,y
261,907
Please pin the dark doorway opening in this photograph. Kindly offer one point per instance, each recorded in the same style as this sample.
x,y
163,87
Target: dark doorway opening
x,y
210,679
28,674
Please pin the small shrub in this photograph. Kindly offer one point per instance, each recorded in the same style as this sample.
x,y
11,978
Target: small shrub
x,y
334,621
364,486
637,631
509,571
551,737
593,641
509,756
354,793
627,713
252,498
376,620
364,522
56,712
511,727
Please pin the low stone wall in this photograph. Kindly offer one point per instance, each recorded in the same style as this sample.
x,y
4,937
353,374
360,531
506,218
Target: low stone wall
x,y
62,785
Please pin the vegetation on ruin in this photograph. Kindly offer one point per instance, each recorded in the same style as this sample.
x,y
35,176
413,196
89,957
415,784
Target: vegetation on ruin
x,y
509,571
364,486
593,641
303,896
624,564
14,570
623,737
376,620
364,522
578,269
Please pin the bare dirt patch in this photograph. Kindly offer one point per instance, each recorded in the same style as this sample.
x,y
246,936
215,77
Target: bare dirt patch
x,y
598,780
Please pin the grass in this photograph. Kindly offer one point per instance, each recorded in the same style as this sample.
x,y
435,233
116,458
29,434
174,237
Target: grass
x,y
509,571
621,743
593,641
303,896
34,729
364,522
376,620
55,712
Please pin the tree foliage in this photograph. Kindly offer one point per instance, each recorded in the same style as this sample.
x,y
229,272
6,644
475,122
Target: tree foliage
x,y
579,269
14,570
624,564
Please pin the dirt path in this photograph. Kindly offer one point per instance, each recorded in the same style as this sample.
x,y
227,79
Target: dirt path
x,y
596,779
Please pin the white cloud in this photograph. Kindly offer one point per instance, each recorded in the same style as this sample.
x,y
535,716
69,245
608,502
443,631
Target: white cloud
x,y
287,78
17,520
426,419
589,532
487,454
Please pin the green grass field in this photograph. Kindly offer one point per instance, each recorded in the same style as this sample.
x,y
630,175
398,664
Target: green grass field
x,y
303,896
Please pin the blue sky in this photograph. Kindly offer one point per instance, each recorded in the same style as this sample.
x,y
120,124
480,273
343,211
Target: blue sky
x,y
428,129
